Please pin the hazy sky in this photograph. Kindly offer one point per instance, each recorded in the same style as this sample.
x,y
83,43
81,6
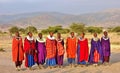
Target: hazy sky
x,y
64,6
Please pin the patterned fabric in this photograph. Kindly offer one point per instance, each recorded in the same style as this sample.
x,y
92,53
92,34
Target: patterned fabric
x,y
50,48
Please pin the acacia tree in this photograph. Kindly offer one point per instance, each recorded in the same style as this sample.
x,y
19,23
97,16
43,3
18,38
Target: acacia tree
x,y
77,27
31,29
13,29
92,29
22,30
55,29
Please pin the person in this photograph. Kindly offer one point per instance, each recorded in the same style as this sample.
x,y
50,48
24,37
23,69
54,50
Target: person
x,y
60,50
82,50
17,50
96,54
30,49
51,50
71,48
105,42
41,50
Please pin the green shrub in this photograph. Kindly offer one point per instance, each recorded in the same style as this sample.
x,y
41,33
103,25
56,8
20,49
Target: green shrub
x,y
31,29
116,29
92,29
13,29
77,27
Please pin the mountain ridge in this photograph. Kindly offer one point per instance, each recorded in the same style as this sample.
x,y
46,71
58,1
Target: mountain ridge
x,y
105,18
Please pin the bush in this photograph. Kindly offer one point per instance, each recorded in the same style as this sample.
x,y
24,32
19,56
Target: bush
x,y
92,29
64,31
22,30
44,31
13,29
2,50
31,29
55,29
78,27
116,29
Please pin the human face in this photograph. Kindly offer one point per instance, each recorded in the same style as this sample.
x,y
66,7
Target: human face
x,y
82,35
105,34
40,35
30,34
95,35
72,34
59,35
51,34
17,34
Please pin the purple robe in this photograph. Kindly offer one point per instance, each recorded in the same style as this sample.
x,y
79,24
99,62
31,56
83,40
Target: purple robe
x,y
95,45
105,46
41,52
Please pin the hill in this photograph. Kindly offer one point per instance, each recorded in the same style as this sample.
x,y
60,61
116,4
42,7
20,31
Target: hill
x,y
106,18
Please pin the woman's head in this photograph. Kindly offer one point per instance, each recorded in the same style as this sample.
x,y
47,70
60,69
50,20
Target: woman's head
x,y
30,34
17,34
40,35
95,34
58,35
105,33
82,34
72,34
51,34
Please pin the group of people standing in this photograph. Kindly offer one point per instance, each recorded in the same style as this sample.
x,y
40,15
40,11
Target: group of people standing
x,y
50,51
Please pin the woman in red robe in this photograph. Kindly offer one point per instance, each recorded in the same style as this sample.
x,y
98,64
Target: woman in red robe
x,y
60,50
17,50
51,50
71,48
30,51
83,50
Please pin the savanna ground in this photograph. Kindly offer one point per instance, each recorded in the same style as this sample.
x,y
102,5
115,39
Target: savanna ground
x,y
7,66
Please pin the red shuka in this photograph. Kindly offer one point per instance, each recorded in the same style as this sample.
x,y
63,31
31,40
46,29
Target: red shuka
x,y
60,48
17,48
71,47
84,50
50,48
27,47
